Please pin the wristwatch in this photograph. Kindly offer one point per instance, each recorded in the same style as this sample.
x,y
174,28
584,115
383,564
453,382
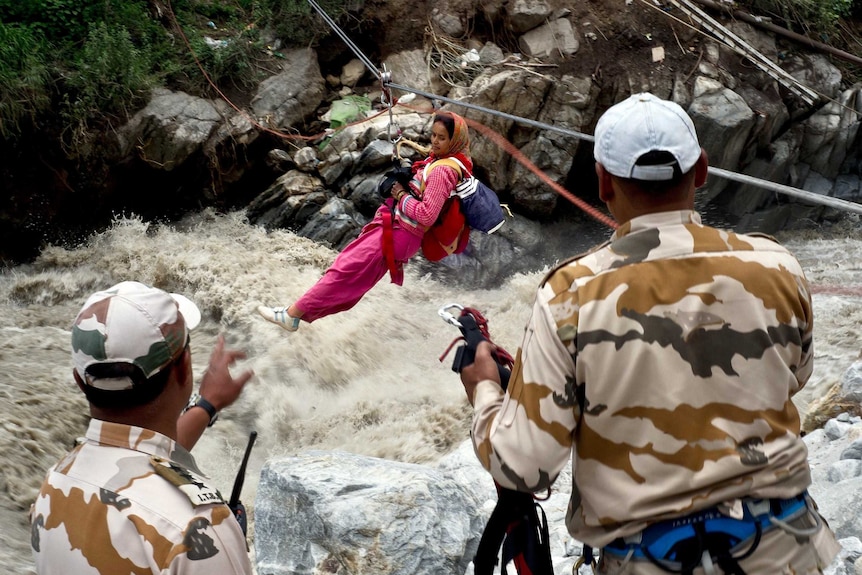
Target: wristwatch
x,y
197,401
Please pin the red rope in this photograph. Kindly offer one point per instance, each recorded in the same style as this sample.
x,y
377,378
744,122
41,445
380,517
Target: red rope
x,y
485,130
527,163
502,356
513,151
236,108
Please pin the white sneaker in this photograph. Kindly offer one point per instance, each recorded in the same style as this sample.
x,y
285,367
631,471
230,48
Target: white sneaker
x,y
279,316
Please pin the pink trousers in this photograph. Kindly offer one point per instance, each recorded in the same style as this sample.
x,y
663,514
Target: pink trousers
x,y
357,269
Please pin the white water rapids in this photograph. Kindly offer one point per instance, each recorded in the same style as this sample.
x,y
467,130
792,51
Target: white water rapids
x,y
367,380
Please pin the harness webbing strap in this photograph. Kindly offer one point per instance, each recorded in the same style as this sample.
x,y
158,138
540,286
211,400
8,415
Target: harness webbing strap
x,y
708,538
515,526
492,539
389,246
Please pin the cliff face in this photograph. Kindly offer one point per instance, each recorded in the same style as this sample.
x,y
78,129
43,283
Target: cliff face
x,y
549,62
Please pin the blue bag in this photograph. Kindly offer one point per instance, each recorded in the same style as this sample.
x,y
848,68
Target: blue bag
x,y
480,205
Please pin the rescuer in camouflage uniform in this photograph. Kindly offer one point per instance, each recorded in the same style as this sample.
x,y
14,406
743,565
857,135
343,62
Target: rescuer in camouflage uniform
x,y
663,363
129,498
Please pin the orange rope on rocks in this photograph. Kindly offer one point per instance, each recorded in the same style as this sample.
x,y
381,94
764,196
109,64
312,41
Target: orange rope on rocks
x,y
240,111
497,138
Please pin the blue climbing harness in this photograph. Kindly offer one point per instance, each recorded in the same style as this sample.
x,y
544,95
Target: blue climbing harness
x,y
710,537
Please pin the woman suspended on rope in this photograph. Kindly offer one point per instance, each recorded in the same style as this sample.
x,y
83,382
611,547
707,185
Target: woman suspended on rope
x,y
393,236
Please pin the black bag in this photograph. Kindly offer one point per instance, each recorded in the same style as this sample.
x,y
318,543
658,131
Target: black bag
x,y
401,175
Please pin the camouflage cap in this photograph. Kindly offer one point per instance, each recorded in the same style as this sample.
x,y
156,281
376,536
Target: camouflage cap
x,y
130,324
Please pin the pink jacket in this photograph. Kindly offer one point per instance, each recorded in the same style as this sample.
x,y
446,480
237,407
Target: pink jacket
x,y
417,214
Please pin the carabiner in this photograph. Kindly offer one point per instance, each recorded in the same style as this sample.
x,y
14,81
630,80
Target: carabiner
x,y
393,124
444,313
588,557
576,568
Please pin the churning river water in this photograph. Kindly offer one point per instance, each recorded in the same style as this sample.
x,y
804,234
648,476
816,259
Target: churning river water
x,y
367,381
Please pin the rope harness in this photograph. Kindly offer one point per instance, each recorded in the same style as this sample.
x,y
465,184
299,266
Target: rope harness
x,y
709,538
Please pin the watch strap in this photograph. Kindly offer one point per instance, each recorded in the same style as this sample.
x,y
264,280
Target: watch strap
x,y
198,401
209,409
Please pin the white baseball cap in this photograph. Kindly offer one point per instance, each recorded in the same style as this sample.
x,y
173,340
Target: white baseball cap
x,y
640,124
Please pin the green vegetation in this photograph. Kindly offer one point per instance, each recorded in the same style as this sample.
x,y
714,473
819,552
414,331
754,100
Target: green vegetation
x,y
94,61
109,75
817,17
87,62
837,23
24,79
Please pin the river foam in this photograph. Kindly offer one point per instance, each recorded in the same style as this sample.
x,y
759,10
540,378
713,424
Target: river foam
x,y
367,381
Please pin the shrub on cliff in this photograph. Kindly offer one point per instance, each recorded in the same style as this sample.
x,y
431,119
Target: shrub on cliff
x,y
24,90
807,15
109,76
93,60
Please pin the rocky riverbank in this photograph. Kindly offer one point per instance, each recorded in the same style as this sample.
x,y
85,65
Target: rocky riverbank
x,y
546,83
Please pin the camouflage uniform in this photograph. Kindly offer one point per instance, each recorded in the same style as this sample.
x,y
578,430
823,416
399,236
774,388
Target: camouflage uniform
x,y
130,500
663,363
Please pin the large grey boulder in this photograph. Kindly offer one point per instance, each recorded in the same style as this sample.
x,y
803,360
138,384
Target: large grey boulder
x,y
327,512
527,14
361,189
279,205
848,187
837,480
724,122
332,512
851,383
816,72
335,224
332,169
352,72
409,68
771,116
288,98
566,102
555,40
449,18
172,127
830,134
511,91
773,166
569,105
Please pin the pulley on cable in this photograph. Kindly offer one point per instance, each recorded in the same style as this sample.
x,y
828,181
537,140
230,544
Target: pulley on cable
x,y
389,101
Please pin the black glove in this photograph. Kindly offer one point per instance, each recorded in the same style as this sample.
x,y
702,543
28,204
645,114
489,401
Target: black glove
x,y
401,175
466,354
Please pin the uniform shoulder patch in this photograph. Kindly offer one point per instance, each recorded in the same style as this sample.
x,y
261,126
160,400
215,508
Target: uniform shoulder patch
x,y
193,486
